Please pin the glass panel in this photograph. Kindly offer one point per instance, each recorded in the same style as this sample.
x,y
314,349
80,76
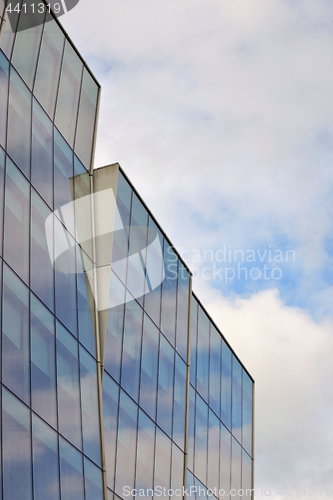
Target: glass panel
x,y
93,481
63,172
130,371
27,44
162,474
154,270
203,355
189,483
48,70
85,308
169,293
17,221
177,471
191,428
89,401
165,386
114,338
43,366
236,399
19,123
215,370
149,364
71,472
86,120
182,310
120,238
145,454
236,471
213,469
225,464
2,192
194,338
226,386
69,92
179,402
110,418
126,449
68,386
16,442
42,154
4,72
15,339
247,413
247,476
42,274
201,437
8,34
45,461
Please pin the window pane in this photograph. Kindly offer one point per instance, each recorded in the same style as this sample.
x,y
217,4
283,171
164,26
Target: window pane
x,y
63,171
120,238
247,476
93,481
225,464
89,402
203,355
19,123
110,418
130,371
2,193
43,369
236,399
236,467
177,470
247,413
126,449
213,451
45,461
8,34
182,310
16,442
155,270
226,386
15,339
138,242
69,92
194,336
86,120
162,474
114,338
179,402
201,437
48,71
165,386
145,453
4,71
42,154
149,364
215,370
169,294
42,274
68,386
27,44
71,472
191,428
85,307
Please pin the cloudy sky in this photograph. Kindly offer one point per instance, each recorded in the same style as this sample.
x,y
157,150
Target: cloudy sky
x,y
220,112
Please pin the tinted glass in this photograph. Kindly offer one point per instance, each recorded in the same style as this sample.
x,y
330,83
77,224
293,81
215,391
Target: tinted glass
x,y
194,335
63,171
169,293
165,386
215,370
2,194
236,399
179,402
120,238
86,309
86,120
93,481
225,457
130,372
236,467
149,364
8,34
71,472
42,154
162,461
114,338
145,453
201,437
203,355
191,430
4,72
213,452
177,470
110,418
182,310
155,270
247,413
247,476
226,386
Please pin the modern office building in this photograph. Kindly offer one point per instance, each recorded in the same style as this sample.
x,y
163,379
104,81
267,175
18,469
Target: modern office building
x,y
115,382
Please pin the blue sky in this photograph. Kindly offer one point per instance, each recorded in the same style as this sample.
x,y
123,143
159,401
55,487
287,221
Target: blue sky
x,y
221,114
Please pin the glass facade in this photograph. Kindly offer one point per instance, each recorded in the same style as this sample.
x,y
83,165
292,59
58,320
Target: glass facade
x,y
99,404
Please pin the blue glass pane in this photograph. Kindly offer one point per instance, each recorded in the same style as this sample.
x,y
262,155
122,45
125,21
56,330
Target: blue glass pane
x,y
236,468
68,386
165,386
86,309
71,472
215,358
191,429
213,471
201,437
16,453
114,339
225,464
169,294
63,171
145,454
182,310
152,299
2,193
194,339
42,273
177,471
89,403
120,238
130,371
189,483
19,123
110,419
179,402
45,461
226,386
162,475
203,355
93,481
149,364
43,365
4,71
247,413
236,399
17,221
42,154
15,336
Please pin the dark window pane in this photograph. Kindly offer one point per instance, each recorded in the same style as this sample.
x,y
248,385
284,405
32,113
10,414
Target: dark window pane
x,y
69,92
149,364
89,403
43,366
247,413
191,429
165,386
236,467
16,442
177,470
162,474
68,386
71,472
213,452
48,71
155,271
182,310
179,402
201,437
236,399
93,481
19,123
42,154
225,464
86,120
194,338
169,293
15,339
2,193
215,370
4,71
45,461
130,371
42,274
226,386
203,355
110,418
145,453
